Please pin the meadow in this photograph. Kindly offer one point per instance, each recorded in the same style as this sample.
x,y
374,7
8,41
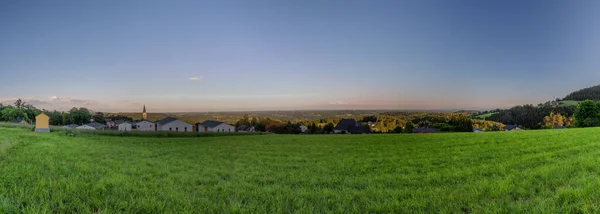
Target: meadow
x,y
546,171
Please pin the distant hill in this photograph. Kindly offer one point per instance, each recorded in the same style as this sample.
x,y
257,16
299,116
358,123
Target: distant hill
x,y
591,93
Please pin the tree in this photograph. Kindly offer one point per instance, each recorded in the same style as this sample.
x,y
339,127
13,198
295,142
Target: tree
x,y
398,129
553,120
80,116
328,128
409,127
587,114
99,117
18,103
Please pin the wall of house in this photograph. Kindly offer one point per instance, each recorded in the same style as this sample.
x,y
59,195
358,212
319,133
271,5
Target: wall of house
x,y
223,127
145,126
176,126
42,121
125,127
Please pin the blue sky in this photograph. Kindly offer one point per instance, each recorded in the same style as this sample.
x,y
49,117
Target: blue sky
x,y
268,55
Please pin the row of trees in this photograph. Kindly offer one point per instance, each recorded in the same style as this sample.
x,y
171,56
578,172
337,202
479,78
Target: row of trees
x,y
529,116
27,112
20,110
591,93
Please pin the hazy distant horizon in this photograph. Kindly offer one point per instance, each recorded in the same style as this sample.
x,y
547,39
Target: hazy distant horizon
x,y
181,56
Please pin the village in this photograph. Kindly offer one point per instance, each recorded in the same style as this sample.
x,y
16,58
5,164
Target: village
x,y
173,124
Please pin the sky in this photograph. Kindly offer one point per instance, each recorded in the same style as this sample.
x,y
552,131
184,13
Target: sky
x,y
294,55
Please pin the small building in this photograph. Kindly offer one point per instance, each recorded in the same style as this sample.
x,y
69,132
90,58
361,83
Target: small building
x,y
245,128
511,128
124,127
477,130
424,130
93,126
19,121
173,124
145,126
560,127
71,126
303,128
348,126
214,126
42,123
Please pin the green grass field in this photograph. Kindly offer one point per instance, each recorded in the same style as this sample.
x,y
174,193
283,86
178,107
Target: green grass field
x,y
568,103
548,171
483,116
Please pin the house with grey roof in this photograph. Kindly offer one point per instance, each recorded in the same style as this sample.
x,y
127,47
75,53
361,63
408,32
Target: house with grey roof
x,y
511,128
19,121
174,125
245,128
214,126
70,126
93,126
350,126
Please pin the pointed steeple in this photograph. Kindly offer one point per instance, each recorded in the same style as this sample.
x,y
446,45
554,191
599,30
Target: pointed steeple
x,y
144,115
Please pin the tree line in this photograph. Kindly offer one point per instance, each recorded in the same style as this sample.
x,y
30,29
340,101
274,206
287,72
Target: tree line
x,y
79,116
590,93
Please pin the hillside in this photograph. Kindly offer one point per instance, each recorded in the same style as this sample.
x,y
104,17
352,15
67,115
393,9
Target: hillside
x,y
550,171
591,93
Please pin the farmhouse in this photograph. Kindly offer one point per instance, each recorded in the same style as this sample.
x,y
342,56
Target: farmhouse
x,y
124,126
477,130
347,126
145,125
173,124
42,123
245,128
214,126
93,126
424,130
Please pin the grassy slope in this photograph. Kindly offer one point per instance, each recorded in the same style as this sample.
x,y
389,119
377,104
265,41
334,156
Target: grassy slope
x,y
483,116
511,172
568,103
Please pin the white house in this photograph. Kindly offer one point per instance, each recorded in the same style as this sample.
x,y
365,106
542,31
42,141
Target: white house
x,y
303,128
93,126
215,126
174,125
125,127
145,126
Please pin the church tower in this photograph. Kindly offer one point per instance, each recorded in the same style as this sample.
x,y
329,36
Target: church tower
x,y
144,115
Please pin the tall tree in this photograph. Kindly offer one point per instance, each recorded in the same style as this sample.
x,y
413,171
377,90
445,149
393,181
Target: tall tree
x,y
587,114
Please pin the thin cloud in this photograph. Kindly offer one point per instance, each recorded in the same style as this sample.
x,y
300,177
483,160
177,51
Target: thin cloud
x,y
195,79
339,102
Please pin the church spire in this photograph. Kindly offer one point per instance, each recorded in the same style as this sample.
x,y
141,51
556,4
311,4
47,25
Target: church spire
x,y
144,115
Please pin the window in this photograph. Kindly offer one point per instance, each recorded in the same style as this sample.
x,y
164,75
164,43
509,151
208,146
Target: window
x,y
185,129
170,129
176,129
